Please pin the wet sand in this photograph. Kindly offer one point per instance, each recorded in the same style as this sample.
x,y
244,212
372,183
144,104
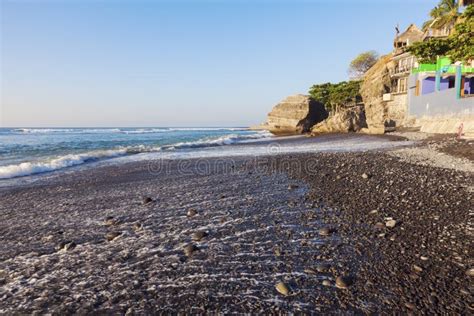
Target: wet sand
x,y
218,235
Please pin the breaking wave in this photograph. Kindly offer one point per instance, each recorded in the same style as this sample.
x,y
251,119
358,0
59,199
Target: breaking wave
x,y
220,141
61,162
118,130
29,168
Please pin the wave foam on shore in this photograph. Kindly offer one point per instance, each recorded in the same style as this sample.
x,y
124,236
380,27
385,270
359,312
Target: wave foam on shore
x,y
70,160
120,130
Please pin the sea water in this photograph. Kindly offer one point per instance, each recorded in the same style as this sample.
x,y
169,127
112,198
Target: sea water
x,y
34,151
27,151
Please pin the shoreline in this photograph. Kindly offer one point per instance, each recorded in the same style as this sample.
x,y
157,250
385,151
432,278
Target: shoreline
x,y
262,218
252,148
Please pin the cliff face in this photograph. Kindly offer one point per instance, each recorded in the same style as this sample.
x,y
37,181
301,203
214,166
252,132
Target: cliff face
x,y
346,120
376,83
295,115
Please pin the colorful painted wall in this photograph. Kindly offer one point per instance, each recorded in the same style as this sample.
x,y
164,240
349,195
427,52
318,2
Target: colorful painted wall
x,y
434,103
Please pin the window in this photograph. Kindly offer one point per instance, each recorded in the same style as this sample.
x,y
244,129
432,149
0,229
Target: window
x,y
394,88
402,85
451,82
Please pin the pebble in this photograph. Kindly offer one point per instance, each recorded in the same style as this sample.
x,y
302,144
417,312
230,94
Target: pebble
x,y
343,282
66,245
112,235
110,220
189,249
48,238
417,268
325,231
373,212
409,305
191,212
322,267
391,223
424,258
147,200
365,176
282,288
327,283
379,225
433,300
470,272
197,236
70,246
137,226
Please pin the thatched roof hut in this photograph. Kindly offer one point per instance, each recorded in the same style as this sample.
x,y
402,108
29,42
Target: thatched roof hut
x,y
412,35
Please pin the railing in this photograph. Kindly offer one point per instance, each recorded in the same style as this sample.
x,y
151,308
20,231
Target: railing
x,y
400,70
444,32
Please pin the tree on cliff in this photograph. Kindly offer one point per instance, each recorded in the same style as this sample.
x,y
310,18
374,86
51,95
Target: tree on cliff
x,y
459,46
362,63
445,13
336,95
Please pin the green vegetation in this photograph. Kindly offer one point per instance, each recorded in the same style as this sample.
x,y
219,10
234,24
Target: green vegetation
x,y
459,46
445,13
362,63
427,52
336,95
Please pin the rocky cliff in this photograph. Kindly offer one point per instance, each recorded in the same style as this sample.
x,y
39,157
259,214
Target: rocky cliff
x,y
376,83
346,120
295,115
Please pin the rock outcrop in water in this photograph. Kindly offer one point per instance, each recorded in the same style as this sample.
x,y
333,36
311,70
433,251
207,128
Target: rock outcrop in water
x,y
346,120
376,83
295,115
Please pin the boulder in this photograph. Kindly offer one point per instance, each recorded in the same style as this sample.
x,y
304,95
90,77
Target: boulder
x,y
345,120
295,115
376,83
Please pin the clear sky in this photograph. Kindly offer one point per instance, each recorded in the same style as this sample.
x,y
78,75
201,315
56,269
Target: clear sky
x,y
180,63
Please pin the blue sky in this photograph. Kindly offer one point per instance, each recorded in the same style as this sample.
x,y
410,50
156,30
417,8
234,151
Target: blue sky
x,y
180,63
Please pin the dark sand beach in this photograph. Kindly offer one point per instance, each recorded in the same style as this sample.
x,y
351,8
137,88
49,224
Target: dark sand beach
x,y
218,235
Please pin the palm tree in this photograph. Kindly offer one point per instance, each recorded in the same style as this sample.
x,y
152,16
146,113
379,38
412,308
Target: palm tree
x,y
444,14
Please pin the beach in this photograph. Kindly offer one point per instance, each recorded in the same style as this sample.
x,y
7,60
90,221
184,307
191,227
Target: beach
x,y
381,230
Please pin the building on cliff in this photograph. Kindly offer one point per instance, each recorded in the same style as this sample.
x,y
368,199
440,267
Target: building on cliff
x,y
387,85
441,96
401,65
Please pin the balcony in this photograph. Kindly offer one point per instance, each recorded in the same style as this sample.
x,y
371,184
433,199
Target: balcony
x,y
400,70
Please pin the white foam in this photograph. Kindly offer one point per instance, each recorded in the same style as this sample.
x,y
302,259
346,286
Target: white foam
x,y
29,168
65,130
61,162
206,129
220,141
144,131
362,143
118,130
41,130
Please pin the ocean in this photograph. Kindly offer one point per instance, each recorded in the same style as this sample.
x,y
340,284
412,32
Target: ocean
x,y
36,152
28,151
